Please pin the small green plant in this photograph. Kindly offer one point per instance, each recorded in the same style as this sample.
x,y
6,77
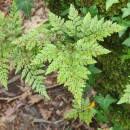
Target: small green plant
x,y
92,9
104,105
26,6
69,46
92,80
109,3
126,11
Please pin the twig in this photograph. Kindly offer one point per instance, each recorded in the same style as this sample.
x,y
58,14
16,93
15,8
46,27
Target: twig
x,y
14,79
86,127
21,97
45,121
80,124
10,99
53,86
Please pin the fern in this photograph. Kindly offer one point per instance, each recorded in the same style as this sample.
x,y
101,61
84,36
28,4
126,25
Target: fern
x,y
75,48
69,46
126,97
26,6
10,28
34,78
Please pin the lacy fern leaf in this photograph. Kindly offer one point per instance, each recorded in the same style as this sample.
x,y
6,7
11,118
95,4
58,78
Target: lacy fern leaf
x,y
34,77
126,97
10,28
72,53
68,46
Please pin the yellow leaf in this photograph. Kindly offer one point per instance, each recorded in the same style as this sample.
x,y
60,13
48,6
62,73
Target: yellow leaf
x,y
92,105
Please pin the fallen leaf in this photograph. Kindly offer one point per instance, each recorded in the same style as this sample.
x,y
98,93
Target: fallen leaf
x,y
26,94
35,99
45,113
7,119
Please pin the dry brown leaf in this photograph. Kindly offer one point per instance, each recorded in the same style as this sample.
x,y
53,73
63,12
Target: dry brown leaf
x,y
51,79
7,119
26,94
11,111
45,113
35,99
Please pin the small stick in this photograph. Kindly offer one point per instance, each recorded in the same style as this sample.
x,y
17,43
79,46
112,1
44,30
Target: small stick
x,y
80,124
53,86
14,79
45,121
10,99
86,127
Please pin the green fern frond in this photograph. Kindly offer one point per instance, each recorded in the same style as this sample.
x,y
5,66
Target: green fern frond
x,y
74,46
126,97
13,8
68,46
4,61
56,22
72,114
10,28
73,25
34,38
98,29
89,115
34,77
48,53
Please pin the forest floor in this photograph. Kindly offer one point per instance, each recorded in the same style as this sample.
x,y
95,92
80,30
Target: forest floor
x,y
24,109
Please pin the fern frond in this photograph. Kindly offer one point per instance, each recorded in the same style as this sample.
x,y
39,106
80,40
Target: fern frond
x,y
90,48
47,53
14,25
34,38
72,114
4,66
34,77
56,22
89,115
21,58
126,97
72,26
10,28
68,46
98,29
13,8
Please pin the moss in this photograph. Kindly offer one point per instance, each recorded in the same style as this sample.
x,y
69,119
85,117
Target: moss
x,y
121,116
114,10
61,5
114,78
